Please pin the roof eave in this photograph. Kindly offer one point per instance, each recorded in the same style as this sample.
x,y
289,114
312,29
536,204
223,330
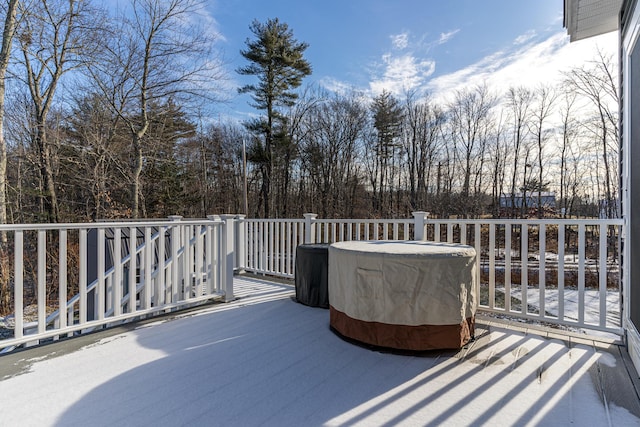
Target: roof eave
x,y
589,18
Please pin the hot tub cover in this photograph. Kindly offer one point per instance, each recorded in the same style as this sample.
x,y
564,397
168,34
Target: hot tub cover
x,y
420,287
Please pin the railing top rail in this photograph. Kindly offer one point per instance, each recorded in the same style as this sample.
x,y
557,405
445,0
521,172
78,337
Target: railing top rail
x,y
170,223
516,221
291,220
594,221
365,220
127,224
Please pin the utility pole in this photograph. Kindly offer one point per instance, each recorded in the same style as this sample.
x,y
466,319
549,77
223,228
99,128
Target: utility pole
x,y
244,174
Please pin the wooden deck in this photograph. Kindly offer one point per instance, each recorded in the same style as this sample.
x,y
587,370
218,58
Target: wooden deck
x,y
267,360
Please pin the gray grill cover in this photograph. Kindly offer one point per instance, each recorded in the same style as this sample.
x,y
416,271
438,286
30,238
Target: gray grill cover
x,y
312,264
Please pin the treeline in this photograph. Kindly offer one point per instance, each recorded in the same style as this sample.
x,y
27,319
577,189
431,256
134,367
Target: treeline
x,y
104,119
469,156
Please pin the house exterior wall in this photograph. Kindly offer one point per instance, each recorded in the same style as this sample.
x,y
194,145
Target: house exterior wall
x,y
630,164
628,20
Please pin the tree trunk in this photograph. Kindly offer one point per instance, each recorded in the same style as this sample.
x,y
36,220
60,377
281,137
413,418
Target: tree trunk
x,y
5,53
49,197
135,178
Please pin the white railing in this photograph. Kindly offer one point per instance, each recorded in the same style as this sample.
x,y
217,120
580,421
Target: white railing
x,y
564,272
112,271
82,276
271,243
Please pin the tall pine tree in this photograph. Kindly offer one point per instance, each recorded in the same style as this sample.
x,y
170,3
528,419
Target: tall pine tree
x,y
387,120
276,59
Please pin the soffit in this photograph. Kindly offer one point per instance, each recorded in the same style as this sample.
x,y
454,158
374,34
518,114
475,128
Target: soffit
x,y
588,18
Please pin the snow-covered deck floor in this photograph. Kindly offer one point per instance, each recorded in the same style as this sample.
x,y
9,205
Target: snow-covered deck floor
x,y
267,360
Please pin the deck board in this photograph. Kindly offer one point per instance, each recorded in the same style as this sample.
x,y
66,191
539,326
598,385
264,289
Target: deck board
x,y
267,360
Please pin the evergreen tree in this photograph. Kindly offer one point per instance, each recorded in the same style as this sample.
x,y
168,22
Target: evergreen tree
x,y
162,193
276,59
387,120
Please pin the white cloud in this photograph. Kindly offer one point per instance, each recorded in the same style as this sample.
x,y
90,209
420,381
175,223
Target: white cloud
x,y
445,37
528,61
400,41
524,37
524,64
204,19
335,85
402,72
410,70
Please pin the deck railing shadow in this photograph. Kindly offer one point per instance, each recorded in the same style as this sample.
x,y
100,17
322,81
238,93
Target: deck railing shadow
x,y
278,363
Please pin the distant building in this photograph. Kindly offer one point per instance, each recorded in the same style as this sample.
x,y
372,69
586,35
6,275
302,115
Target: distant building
x,y
547,200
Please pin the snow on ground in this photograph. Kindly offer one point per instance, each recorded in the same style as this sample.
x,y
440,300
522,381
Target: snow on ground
x,y
571,306
271,361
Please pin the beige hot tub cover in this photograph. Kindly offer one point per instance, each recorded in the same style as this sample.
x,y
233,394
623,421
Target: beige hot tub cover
x,y
405,295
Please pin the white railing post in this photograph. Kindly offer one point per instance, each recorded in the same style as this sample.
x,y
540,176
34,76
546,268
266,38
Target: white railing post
x,y
309,229
42,279
241,243
227,255
175,244
82,279
18,283
147,261
101,290
117,264
214,248
62,278
133,267
420,219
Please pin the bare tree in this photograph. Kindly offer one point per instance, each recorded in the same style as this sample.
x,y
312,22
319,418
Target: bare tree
x,y
596,82
290,132
498,159
448,166
211,170
519,103
55,38
544,97
5,54
159,53
8,33
329,152
568,133
469,113
423,125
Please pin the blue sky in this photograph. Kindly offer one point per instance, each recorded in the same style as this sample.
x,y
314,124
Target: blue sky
x,y
434,46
